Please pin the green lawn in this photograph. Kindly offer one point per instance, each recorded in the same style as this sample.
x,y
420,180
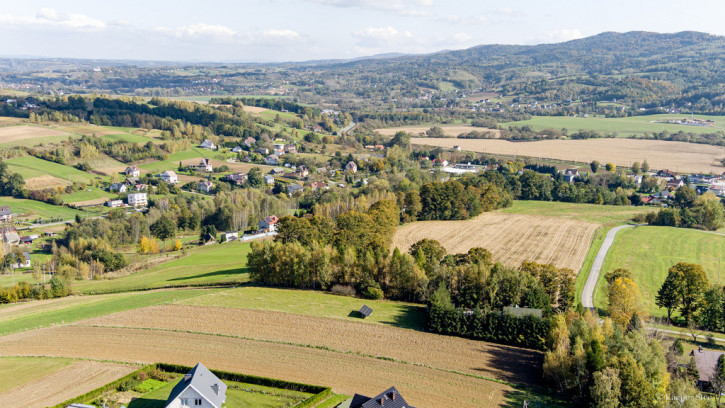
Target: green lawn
x,y
70,309
634,125
238,395
37,140
32,208
333,401
23,275
29,167
90,193
16,371
203,265
649,251
610,215
130,138
315,303
172,162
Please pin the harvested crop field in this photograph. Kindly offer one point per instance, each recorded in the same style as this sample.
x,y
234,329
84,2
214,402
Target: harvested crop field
x,y
511,238
65,383
88,129
677,156
15,133
449,130
254,109
427,386
47,181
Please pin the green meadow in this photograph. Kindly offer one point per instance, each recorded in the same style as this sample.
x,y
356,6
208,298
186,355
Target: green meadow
x,y
29,167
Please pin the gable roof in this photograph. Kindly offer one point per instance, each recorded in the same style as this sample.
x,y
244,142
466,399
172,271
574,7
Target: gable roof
x,y
5,210
706,361
203,381
390,398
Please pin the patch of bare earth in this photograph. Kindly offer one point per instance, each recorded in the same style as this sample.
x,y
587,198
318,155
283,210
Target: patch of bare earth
x,y
15,133
68,382
254,109
511,238
676,156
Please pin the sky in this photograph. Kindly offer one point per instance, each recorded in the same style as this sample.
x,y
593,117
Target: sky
x,y
300,30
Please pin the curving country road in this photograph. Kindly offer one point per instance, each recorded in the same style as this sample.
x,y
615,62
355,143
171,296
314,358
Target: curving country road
x,y
588,292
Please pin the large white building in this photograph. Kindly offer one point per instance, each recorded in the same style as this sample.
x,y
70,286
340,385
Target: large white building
x,y
137,200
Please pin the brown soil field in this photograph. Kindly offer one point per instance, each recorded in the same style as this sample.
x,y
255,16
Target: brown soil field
x,y
254,109
15,133
449,130
511,238
95,201
446,352
6,120
676,156
47,181
63,384
425,386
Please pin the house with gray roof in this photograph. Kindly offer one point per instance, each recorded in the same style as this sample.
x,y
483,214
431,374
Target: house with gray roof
x,y
199,388
389,398
6,214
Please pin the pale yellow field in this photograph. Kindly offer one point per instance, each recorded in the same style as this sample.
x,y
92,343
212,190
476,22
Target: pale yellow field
x,y
254,109
511,238
46,181
430,369
449,130
14,133
87,129
677,156
65,383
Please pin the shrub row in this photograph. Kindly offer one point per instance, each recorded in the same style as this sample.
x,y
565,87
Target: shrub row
x,y
529,331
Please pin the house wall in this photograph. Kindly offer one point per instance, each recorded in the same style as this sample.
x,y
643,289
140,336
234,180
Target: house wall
x,y
190,394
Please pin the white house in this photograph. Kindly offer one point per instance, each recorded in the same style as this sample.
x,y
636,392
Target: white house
x,y
272,160
199,388
268,179
120,187
169,176
114,203
268,224
204,166
6,214
23,262
230,236
137,200
133,171
237,149
207,144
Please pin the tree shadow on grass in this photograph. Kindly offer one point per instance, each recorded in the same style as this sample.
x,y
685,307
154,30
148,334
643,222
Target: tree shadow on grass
x,y
516,365
410,317
146,403
534,398
231,272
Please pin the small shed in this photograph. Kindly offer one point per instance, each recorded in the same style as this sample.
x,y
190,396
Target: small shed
x,y
366,311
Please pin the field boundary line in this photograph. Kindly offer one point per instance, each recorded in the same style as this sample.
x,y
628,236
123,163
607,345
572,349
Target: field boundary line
x,y
590,285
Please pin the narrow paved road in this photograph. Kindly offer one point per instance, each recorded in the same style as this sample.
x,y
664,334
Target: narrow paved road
x,y
348,127
588,292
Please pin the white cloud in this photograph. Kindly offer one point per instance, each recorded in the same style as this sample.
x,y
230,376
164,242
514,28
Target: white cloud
x,y
470,20
565,34
381,33
414,8
462,37
286,34
47,17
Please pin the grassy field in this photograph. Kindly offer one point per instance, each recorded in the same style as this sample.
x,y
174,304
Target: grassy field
x,y
314,303
204,265
130,138
33,209
172,162
30,167
610,215
15,371
90,193
649,251
511,238
634,125
27,316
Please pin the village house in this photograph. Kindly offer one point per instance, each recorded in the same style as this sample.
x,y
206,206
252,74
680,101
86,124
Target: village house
x,y
457,148
262,150
717,189
27,239
9,234
268,179
705,361
23,261
674,184
272,160
569,175
133,171
237,149
205,186
114,203
169,176
317,129
250,141
199,388
120,187
277,171
278,146
207,144
389,398
141,187
237,178
268,224
293,188
301,172
229,236
290,148
204,166
137,200
351,167
318,185
6,214
666,174
131,181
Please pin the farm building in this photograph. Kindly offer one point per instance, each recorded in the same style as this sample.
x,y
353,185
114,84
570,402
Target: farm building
x,y
6,214
27,239
276,171
205,186
389,398
133,171
230,236
199,388
204,166
169,176
351,166
268,224
120,187
207,144
137,200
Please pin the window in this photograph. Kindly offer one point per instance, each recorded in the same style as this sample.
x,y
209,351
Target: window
x,y
184,402
197,401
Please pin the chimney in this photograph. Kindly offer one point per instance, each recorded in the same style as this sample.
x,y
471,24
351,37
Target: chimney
x,y
381,401
392,395
215,388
